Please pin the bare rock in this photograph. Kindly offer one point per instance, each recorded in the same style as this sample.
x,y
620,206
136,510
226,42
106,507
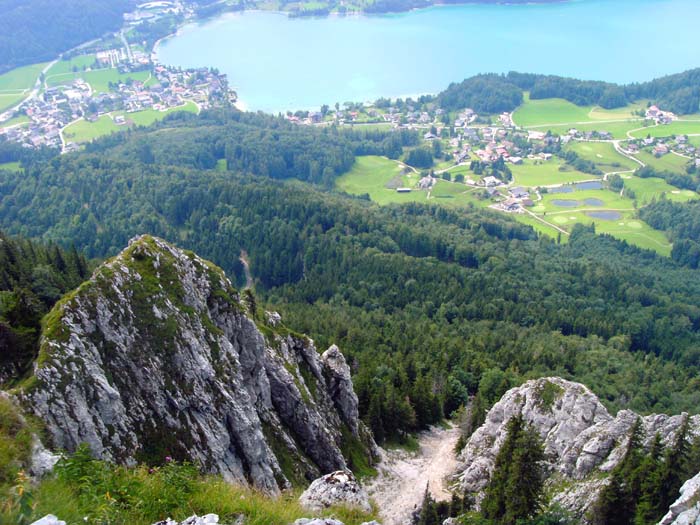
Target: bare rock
x,y
156,355
686,509
337,488
582,440
49,519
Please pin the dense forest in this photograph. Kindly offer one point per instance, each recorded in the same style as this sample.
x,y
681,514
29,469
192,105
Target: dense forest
x,y
255,143
32,278
432,306
681,222
38,31
493,93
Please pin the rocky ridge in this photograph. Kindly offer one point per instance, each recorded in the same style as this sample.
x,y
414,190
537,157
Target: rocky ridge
x,y
157,354
582,440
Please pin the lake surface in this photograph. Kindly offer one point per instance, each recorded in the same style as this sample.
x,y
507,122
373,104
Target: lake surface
x,y
278,63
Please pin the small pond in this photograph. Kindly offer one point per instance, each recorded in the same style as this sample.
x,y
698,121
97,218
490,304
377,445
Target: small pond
x,y
565,203
593,202
605,215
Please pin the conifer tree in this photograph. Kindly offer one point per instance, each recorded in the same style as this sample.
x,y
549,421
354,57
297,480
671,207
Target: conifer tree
x,y
515,489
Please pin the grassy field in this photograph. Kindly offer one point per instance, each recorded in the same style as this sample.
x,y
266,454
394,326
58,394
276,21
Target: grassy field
x,y
553,111
679,127
603,154
16,84
610,201
669,162
378,177
9,100
617,129
10,166
624,226
21,78
549,111
84,131
98,79
531,175
21,119
372,174
67,66
653,188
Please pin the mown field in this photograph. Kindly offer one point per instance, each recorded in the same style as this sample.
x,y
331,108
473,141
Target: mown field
x,y
547,173
604,155
99,79
83,131
679,127
379,177
16,84
646,190
669,162
556,111
618,216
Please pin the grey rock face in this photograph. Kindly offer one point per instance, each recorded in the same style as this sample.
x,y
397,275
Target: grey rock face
x,y
686,509
580,437
155,356
337,488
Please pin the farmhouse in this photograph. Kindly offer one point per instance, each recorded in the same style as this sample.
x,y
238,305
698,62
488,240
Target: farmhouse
x,y
519,193
491,181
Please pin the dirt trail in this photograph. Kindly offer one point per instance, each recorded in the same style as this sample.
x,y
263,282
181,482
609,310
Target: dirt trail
x,y
402,478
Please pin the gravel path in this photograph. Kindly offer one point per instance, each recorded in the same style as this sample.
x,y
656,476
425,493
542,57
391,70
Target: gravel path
x,y
403,476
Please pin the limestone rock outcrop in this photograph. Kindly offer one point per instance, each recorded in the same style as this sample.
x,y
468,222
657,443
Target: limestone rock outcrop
x,y
156,355
581,438
338,488
686,509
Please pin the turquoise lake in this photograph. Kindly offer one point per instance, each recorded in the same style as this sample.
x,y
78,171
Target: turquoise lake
x,y
278,63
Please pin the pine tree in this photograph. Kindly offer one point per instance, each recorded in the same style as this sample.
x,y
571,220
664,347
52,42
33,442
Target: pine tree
x,y
650,476
675,468
618,500
515,489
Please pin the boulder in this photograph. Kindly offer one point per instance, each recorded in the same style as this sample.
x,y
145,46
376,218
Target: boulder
x,y
338,488
49,519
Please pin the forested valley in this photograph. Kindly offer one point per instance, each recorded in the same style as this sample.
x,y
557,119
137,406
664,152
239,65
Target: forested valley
x,y
432,307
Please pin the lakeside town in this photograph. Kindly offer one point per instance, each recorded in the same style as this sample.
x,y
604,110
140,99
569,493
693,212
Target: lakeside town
x,y
121,84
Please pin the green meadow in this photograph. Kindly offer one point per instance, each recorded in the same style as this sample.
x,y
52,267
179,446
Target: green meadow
x,y
622,222
99,79
645,190
668,162
10,166
83,131
16,84
548,173
604,155
68,67
21,78
678,127
379,177
556,111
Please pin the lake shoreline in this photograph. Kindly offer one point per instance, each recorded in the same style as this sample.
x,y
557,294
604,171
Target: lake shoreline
x,y
306,62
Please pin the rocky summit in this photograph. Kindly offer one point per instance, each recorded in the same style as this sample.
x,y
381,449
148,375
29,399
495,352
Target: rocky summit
x,y
158,355
582,440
